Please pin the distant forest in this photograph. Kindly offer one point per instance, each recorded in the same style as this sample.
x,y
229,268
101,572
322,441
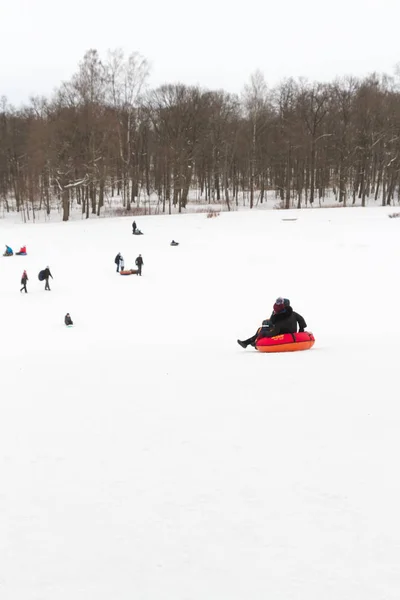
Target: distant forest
x,y
104,134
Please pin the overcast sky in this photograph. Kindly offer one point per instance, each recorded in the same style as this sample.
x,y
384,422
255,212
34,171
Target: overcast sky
x,y
214,43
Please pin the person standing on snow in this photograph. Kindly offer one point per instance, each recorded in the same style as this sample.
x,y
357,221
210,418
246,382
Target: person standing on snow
x,y
47,274
283,320
118,259
134,227
24,279
68,320
139,263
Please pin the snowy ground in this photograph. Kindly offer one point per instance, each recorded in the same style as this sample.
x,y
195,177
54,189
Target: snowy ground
x,y
145,455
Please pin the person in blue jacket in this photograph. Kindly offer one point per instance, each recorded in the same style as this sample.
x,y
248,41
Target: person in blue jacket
x,y
9,251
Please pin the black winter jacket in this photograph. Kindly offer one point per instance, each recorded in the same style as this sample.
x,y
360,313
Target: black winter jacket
x,y
47,274
283,322
139,261
24,279
68,320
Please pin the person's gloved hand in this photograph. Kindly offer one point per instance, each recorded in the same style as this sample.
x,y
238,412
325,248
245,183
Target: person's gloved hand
x,y
301,330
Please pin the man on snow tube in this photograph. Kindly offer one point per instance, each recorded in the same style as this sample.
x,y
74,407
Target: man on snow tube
x,y
9,251
21,251
283,320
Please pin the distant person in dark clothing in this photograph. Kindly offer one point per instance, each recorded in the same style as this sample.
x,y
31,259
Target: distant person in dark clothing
x,y
24,280
47,274
68,320
283,320
134,227
118,260
174,243
139,263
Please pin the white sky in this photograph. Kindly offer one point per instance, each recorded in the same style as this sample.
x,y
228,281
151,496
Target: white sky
x,y
214,43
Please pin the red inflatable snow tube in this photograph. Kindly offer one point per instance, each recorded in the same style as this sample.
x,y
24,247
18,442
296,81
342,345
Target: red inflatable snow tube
x,y
129,272
287,342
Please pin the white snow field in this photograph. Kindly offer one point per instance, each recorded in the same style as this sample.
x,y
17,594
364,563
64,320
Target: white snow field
x,y
144,455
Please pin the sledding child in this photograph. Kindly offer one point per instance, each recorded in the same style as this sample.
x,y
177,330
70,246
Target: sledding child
x,y
283,320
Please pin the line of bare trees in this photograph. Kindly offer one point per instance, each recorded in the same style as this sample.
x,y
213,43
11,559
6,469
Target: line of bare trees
x,y
104,134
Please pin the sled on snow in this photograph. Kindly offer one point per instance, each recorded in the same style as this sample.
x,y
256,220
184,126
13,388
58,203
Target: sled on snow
x,y
129,272
286,342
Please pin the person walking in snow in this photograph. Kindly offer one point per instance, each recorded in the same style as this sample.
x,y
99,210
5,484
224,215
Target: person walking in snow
x,y
139,263
68,320
283,320
118,259
24,280
46,275
134,227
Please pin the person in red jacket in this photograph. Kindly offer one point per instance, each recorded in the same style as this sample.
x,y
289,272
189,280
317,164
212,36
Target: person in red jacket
x,y
24,280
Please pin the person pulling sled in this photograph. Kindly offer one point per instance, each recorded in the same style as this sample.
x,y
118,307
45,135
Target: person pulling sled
x,y
119,261
139,263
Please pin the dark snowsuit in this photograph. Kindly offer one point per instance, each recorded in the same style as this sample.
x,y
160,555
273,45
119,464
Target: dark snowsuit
x,y
117,260
47,274
279,323
68,320
24,280
134,227
139,263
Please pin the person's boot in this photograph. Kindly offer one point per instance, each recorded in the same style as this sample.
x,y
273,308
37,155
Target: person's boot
x,y
243,344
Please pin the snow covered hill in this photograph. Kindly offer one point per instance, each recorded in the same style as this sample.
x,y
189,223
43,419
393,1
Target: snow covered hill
x,y
145,455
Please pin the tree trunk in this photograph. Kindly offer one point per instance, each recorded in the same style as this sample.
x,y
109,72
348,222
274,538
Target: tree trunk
x,y
65,204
